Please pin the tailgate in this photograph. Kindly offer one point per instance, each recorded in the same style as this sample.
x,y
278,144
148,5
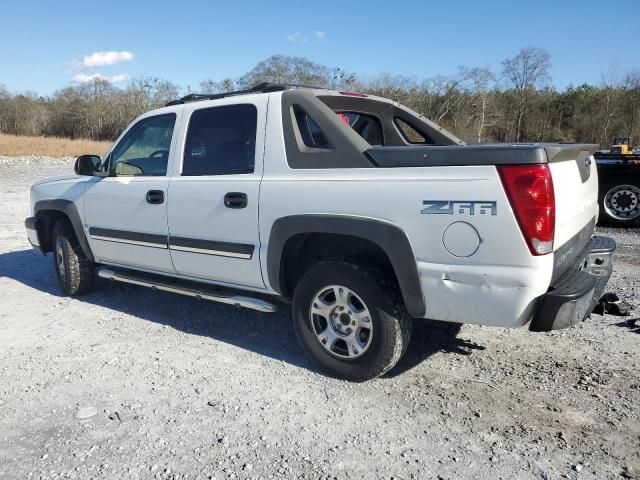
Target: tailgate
x,y
575,184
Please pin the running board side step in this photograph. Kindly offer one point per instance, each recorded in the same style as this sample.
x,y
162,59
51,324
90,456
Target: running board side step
x,y
148,281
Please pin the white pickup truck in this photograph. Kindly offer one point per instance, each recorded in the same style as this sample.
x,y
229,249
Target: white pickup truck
x,y
359,212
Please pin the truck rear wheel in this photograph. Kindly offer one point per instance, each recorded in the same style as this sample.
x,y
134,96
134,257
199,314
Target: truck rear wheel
x,y
620,202
347,323
75,272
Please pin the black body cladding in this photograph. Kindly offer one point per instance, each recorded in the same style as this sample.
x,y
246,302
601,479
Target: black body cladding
x,y
240,250
67,208
346,149
391,239
159,241
480,154
224,247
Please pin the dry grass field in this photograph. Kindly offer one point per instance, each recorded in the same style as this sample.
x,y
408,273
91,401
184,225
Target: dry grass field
x,y
12,145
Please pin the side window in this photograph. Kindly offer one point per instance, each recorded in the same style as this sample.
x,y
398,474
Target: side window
x,y
411,134
309,130
221,141
367,126
144,150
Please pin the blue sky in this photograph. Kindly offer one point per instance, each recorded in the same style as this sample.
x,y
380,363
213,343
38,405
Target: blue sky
x,y
44,43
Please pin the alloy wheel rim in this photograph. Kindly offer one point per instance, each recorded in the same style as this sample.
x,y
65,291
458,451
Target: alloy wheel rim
x,y
622,202
341,322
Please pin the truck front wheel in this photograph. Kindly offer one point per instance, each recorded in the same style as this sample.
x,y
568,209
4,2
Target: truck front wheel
x,y
348,324
75,272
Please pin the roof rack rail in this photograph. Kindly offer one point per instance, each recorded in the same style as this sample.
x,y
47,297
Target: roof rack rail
x,y
264,87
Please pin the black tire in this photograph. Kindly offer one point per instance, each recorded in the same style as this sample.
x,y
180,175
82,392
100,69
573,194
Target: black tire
x,y
391,326
608,214
75,272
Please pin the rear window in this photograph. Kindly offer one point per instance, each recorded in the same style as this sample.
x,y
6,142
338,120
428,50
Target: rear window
x,y
221,141
367,126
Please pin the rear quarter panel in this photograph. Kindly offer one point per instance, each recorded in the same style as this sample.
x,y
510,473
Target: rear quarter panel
x,y
497,285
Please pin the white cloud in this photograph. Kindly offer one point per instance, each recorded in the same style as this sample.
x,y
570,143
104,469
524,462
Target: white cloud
x,y
296,37
99,59
119,78
84,78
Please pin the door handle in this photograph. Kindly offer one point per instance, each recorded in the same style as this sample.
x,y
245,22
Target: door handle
x,y
155,197
235,200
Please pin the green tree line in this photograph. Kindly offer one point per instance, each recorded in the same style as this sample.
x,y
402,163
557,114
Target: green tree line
x,y
513,102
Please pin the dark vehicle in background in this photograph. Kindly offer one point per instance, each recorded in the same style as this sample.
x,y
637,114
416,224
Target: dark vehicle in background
x,y
619,178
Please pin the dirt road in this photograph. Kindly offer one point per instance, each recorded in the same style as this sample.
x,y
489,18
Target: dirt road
x,y
189,389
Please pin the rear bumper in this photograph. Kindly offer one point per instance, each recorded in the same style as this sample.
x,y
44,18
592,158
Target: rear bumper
x,y
32,225
575,294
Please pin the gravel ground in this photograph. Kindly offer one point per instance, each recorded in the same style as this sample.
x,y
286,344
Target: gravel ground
x,y
176,388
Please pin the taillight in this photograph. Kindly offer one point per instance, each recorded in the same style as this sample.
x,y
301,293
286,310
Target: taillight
x,y
530,192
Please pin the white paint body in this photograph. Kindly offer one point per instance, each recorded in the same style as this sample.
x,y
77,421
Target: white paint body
x,y
496,285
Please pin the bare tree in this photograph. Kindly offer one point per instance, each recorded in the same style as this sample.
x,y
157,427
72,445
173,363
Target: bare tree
x,y
526,71
211,86
630,100
610,103
470,103
293,70
482,83
393,87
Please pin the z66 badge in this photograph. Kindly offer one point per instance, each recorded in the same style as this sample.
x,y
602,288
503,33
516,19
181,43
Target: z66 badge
x,y
461,207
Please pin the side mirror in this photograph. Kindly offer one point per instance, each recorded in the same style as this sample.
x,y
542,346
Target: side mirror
x,y
87,164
